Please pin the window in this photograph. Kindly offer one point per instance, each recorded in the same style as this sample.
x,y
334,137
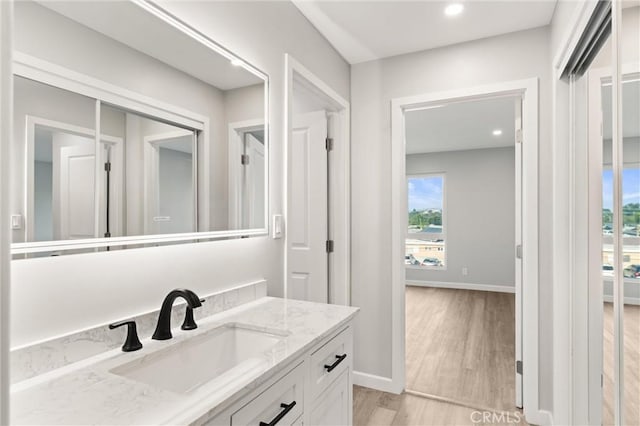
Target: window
x,y
425,242
630,223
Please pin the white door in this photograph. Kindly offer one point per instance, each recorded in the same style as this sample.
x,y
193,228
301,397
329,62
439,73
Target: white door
x,y
307,262
74,189
253,195
518,278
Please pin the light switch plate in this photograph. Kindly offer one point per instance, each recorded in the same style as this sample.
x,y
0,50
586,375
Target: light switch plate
x,y
16,221
277,229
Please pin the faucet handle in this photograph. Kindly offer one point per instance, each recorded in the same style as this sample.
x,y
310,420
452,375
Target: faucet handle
x,y
189,323
132,343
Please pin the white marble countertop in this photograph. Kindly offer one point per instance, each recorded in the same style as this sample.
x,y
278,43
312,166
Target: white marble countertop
x,y
86,392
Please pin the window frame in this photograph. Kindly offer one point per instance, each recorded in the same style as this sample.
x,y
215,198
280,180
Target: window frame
x,y
433,236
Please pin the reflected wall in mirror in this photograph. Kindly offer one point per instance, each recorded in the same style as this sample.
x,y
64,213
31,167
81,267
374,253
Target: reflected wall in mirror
x,y
120,135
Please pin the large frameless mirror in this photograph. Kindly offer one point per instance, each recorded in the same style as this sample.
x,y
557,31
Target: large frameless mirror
x,y
123,138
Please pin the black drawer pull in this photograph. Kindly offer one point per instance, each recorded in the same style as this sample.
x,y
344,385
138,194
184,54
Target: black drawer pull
x,y
276,419
339,359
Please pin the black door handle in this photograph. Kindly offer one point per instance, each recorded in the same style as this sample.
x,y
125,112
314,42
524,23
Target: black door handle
x,y
339,359
281,414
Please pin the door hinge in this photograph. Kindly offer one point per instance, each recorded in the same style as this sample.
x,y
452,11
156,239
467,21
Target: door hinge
x,y
329,246
244,159
519,251
107,167
601,380
329,144
519,367
519,136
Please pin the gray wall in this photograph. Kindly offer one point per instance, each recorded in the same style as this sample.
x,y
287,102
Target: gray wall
x,y
374,84
261,33
42,200
479,215
176,190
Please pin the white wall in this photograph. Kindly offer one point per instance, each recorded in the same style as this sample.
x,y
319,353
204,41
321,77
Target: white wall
x,y
6,45
73,292
479,215
373,84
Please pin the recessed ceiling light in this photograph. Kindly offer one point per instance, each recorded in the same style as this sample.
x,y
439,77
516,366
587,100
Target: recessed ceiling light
x,y
497,132
236,62
454,9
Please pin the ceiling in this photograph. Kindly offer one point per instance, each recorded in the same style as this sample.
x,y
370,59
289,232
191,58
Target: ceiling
x,y
366,30
461,126
123,21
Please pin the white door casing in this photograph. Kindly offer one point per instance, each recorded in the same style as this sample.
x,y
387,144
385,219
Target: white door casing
x,y
307,266
518,257
153,219
253,191
297,77
528,91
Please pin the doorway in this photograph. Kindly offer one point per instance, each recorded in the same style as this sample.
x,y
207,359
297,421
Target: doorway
x,y
526,251
317,177
463,165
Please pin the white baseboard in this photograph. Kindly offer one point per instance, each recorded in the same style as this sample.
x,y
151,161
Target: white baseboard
x,y
463,286
539,417
371,381
627,300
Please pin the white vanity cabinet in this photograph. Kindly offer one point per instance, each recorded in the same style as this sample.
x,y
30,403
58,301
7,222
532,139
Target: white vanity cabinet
x,y
316,389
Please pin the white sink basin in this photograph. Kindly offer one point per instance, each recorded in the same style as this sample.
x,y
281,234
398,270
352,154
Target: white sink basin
x,y
222,354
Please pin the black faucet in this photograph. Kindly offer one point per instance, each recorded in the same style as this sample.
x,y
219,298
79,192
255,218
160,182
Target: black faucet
x,y
163,329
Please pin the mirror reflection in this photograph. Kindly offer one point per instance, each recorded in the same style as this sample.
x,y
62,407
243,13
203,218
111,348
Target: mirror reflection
x,y
119,134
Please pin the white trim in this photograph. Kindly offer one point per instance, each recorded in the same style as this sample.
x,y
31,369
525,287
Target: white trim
x,y
542,418
463,286
572,35
235,133
31,122
627,300
339,191
371,381
6,128
528,90
151,162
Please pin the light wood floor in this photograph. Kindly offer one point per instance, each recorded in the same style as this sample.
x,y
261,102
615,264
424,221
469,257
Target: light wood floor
x,y
460,344
631,365
375,408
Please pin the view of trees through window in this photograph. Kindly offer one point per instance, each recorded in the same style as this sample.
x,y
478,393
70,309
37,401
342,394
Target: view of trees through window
x,y
425,242
631,222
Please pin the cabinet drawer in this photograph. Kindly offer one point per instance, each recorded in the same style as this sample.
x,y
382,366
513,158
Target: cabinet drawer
x,y
282,401
328,362
333,407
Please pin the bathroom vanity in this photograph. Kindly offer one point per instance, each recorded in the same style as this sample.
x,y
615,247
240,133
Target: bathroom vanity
x,y
266,362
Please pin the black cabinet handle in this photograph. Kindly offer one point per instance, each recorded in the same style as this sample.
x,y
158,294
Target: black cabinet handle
x,y
339,359
281,414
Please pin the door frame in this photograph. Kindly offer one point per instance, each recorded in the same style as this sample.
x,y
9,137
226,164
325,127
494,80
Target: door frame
x,y
235,140
528,90
6,134
151,166
339,184
117,142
